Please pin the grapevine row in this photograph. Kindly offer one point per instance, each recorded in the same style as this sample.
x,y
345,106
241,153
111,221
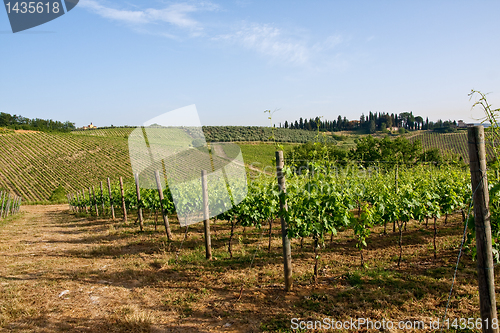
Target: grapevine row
x,y
323,200
9,204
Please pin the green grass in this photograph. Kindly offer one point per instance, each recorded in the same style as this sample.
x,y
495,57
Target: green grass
x,y
260,155
10,218
59,195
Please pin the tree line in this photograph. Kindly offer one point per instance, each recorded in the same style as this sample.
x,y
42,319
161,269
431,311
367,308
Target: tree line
x,y
368,150
371,123
35,124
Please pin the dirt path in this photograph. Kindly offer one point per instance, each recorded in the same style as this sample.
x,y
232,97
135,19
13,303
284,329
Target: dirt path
x,y
47,283
59,272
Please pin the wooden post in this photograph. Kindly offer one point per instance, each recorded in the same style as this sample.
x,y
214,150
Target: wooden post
x,y
111,200
396,179
20,200
90,201
69,201
287,253
139,208
3,202
124,208
396,176
163,211
13,204
79,209
83,200
102,199
80,202
485,271
7,206
16,205
206,220
95,202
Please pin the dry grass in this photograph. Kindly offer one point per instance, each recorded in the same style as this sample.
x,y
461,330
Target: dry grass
x,y
119,280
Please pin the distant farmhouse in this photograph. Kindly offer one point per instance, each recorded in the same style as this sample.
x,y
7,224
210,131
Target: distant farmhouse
x,y
461,124
89,127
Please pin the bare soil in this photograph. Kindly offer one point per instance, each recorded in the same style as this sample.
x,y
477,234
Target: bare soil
x,y
64,272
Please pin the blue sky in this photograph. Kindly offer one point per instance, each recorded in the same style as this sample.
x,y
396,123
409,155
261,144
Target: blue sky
x,y
124,62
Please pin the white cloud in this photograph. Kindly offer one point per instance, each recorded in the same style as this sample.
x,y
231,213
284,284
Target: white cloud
x,y
175,14
269,41
280,45
274,43
114,14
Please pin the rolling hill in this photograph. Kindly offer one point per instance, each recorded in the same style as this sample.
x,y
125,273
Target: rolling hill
x,y
34,164
450,144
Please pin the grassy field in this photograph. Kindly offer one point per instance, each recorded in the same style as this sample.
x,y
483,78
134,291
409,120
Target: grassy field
x,y
63,272
261,155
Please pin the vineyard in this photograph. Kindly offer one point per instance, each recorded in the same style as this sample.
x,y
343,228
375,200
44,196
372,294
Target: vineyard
x,y
9,204
119,132
367,239
264,134
322,200
224,134
453,145
327,204
34,164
